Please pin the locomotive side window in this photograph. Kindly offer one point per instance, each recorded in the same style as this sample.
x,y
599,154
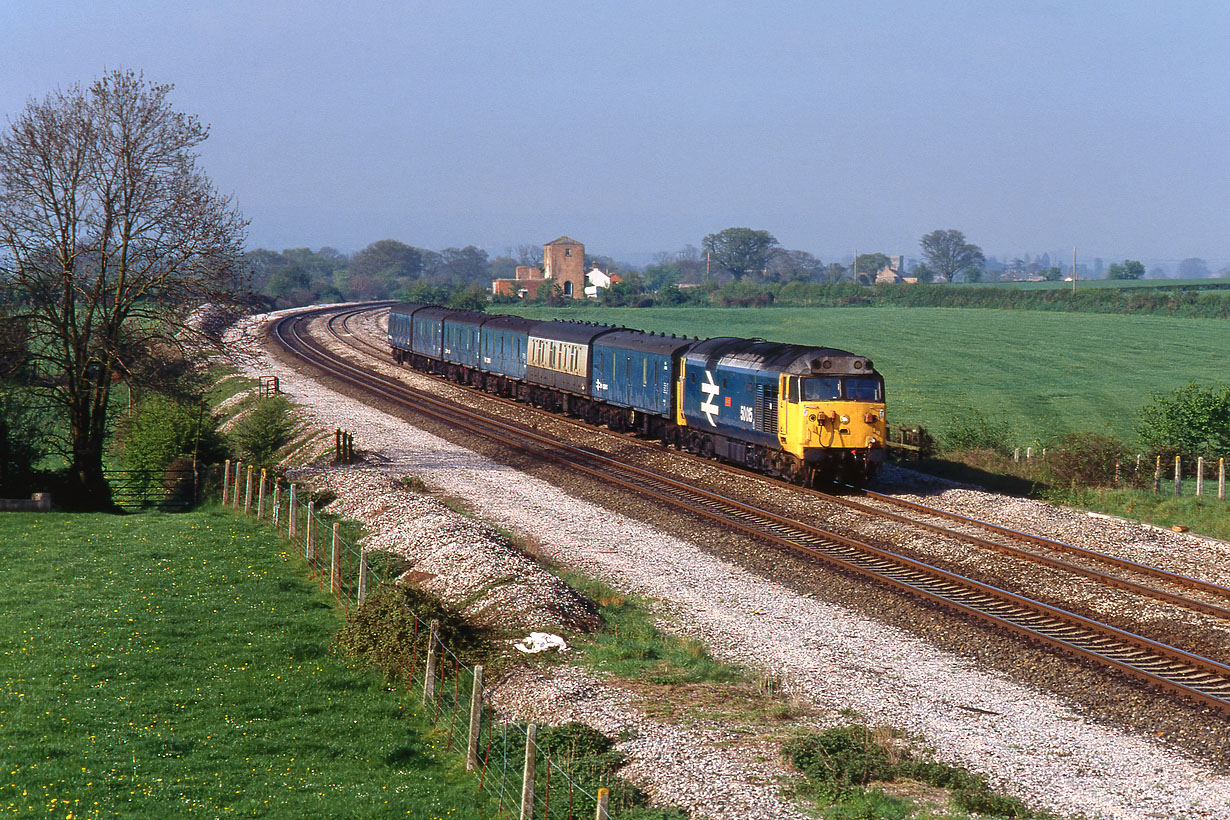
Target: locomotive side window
x,y
826,389
863,388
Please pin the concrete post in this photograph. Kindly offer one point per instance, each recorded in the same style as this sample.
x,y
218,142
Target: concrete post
x,y
1199,476
362,577
429,673
226,479
247,495
292,513
238,472
476,719
335,568
1157,476
309,548
527,777
1016,455
1029,454
604,802
260,496
277,504
1178,476
1221,479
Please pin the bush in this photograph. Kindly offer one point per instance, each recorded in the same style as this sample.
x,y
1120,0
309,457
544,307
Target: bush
x,y
970,430
161,429
383,633
1192,421
1086,460
22,441
264,430
839,758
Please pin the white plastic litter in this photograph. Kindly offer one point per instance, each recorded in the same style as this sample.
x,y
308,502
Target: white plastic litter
x,y
541,642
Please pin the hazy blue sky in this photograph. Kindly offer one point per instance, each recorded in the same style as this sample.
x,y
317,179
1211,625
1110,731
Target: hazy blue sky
x,y
641,126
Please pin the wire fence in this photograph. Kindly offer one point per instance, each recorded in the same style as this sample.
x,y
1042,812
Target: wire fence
x,y
527,779
1200,476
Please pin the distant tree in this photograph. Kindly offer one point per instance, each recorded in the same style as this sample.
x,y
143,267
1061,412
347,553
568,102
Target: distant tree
x,y
835,272
1127,269
1053,273
947,253
924,273
468,264
527,255
502,267
387,259
473,297
112,237
740,251
661,274
873,263
973,274
1193,268
795,266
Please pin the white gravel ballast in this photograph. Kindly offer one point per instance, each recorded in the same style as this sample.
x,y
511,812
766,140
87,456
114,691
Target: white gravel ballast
x,y
1029,743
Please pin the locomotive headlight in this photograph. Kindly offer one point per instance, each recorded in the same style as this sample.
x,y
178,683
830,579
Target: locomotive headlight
x,y
881,414
845,419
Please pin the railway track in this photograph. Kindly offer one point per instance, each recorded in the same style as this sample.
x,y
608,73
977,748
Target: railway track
x,y
1216,604
1201,679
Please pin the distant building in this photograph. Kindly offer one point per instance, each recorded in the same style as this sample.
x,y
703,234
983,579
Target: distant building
x,y
600,281
563,264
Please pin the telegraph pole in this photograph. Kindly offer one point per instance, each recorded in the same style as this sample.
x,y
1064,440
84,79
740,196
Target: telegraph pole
x,y
1074,270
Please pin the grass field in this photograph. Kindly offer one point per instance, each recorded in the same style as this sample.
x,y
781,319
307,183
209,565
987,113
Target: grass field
x,y
174,666
1040,373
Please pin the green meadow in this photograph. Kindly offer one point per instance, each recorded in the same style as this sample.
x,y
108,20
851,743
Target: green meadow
x,y
1041,373
176,666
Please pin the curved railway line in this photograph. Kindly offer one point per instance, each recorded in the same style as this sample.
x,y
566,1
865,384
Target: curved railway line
x,y
1200,679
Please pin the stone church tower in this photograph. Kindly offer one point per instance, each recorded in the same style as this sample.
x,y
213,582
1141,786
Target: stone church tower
x,y
563,261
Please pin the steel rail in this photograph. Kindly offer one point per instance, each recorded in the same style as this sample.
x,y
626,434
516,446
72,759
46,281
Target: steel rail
x,y
1202,679
1118,582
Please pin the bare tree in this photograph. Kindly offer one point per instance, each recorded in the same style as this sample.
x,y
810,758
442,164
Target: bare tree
x,y
948,253
110,238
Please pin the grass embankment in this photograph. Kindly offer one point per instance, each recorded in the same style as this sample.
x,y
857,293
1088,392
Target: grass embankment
x,y
163,666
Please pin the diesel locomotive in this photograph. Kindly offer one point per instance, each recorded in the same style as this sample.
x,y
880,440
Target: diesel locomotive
x,y
808,414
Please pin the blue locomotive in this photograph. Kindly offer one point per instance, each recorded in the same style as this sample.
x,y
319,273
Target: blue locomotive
x,y
807,414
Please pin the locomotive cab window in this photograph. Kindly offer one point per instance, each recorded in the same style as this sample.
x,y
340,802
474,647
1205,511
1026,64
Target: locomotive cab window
x,y
826,389
864,388
792,389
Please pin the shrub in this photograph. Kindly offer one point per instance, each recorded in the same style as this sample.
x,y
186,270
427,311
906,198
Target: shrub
x,y
162,429
264,430
969,429
1191,421
1086,460
839,758
383,632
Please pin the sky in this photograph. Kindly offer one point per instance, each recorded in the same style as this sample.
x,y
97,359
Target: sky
x,y
639,127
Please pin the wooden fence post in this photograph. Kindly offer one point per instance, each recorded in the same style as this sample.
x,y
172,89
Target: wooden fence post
x,y
1016,455
1199,476
238,471
527,777
362,576
1157,476
260,496
476,719
247,495
1221,479
429,673
276,515
226,479
1178,476
335,569
604,801
1029,455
